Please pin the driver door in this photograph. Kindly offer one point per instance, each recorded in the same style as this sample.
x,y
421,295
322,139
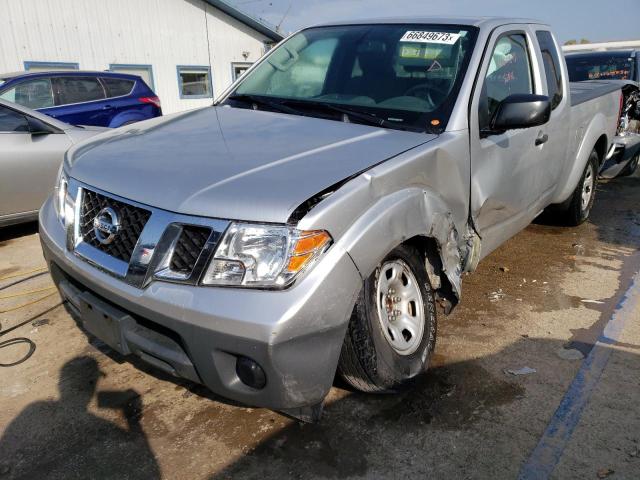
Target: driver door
x,y
506,188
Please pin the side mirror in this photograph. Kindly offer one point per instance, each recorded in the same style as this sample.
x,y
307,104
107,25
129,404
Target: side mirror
x,y
38,127
521,111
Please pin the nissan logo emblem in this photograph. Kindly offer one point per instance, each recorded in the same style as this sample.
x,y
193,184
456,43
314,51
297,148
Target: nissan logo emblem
x,y
106,225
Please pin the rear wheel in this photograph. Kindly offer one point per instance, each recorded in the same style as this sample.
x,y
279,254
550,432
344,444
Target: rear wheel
x,y
392,329
583,196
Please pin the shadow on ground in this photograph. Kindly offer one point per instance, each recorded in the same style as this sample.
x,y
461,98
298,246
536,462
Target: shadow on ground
x,y
14,232
60,439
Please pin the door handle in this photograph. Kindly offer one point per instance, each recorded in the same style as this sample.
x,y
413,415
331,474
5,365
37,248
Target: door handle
x,y
542,138
107,107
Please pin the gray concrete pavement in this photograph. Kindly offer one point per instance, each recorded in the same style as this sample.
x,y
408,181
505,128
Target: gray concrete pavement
x,y
76,410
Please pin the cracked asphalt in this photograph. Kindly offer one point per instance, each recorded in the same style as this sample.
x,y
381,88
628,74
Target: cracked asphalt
x,y
76,410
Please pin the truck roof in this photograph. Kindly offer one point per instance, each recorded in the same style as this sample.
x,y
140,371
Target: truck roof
x,y
482,22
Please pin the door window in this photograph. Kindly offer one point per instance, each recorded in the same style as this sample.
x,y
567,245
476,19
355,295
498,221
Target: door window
x,y
77,90
11,122
31,94
552,68
509,73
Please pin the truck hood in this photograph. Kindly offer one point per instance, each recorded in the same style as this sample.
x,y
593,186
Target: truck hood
x,y
233,163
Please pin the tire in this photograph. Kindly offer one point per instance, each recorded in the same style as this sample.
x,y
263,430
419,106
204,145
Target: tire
x,y
582,198
375,360
631,167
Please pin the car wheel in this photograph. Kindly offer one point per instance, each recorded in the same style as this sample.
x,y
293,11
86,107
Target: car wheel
x,y
631,167
392,330
584,195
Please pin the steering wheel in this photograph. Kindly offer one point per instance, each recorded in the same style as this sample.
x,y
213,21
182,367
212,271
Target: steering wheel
x,y
424,91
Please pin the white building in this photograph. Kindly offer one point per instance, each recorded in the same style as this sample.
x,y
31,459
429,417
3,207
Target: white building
x,y
188,51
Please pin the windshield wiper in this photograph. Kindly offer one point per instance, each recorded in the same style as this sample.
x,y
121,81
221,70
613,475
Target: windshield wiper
x,y
258,100
364,117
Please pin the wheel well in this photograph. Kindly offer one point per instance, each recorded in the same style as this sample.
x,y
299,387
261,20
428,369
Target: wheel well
x,y
446,299
601,147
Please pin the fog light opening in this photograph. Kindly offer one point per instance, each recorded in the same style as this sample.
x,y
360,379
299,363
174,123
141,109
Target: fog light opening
x,y
250,373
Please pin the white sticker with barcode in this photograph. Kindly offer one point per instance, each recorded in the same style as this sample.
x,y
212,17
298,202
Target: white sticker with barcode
x,y
430,37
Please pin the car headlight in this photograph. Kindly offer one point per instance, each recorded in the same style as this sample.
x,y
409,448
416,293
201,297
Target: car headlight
x,y
250,255
62,201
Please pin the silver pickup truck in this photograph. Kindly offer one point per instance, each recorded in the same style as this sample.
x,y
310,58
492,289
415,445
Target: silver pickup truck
x,y
318,218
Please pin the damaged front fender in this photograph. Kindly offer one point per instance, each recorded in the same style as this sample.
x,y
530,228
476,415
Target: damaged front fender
x,y
397,218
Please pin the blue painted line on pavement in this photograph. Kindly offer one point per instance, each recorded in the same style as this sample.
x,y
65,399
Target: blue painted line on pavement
x,y
548,452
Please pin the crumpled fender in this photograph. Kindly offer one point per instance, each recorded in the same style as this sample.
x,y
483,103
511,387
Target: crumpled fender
x,y
398,217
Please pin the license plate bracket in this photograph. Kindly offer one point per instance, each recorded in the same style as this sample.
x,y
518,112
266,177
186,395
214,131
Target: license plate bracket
x,y
105,322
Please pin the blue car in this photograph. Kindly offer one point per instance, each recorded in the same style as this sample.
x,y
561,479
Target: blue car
x,y
103,99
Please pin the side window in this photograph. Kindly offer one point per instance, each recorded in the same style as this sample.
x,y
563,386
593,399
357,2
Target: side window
x,y
509,73
32,94
11,122
552,68
117,87
77,90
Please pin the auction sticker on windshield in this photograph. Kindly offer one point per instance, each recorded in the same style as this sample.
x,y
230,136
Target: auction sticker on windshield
x,y
430,37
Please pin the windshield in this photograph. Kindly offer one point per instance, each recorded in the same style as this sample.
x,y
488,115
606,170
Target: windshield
x,y
407,75
598,66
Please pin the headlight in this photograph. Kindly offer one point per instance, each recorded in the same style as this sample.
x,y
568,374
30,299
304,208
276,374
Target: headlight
x,y
61,200
264,255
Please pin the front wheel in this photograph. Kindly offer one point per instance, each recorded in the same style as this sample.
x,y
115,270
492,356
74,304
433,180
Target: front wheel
x,y
392,330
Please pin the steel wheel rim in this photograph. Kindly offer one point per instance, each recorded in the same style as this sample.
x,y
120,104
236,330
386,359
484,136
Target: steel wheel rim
x,y
588,187
400,307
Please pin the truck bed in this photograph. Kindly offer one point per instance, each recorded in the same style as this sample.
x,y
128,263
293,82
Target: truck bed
x,y
582,92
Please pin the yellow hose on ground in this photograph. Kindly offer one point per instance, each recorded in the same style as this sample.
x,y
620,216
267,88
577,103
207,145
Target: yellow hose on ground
x,y
28,292
20,274
18,307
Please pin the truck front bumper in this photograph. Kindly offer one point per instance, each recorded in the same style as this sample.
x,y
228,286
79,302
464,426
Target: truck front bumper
x,y
199,333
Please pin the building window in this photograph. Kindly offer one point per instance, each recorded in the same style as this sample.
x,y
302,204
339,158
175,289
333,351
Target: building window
x,y
48,66
143,71
194,82
238,68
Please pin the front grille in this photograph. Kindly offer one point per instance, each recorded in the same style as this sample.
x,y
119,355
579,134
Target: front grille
x,y
132,221
188,248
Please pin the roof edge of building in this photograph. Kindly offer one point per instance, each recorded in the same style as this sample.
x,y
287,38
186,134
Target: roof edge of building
x,y
247,19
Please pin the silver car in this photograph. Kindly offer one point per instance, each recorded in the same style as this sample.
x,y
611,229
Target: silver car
x,y
32,147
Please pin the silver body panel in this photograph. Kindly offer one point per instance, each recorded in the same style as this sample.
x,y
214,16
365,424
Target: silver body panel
x,y
29,164
465,193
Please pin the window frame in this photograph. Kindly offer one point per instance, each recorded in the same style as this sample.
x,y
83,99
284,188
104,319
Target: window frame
x,y
113,67
482,73
239,64
197,68
52,65
563,79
